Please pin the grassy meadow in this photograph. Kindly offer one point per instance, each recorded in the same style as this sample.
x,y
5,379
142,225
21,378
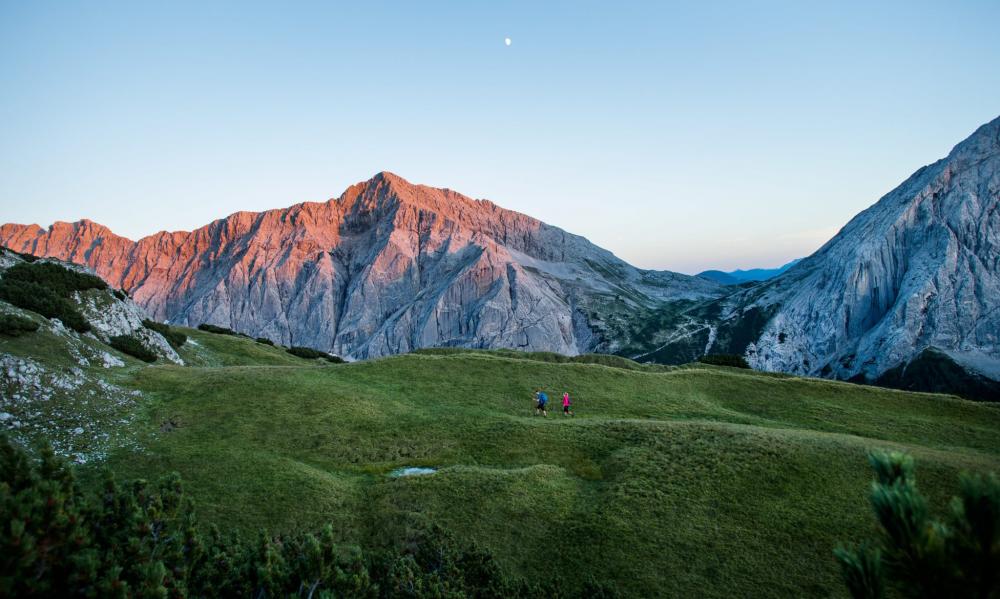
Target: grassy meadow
x,y
669,481
683,481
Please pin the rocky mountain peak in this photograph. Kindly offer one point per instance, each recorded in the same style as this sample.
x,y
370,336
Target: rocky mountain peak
x,y
985,140
919,269
387,267
386,191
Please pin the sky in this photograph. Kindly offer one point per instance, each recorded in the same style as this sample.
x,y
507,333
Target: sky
x,y
680,136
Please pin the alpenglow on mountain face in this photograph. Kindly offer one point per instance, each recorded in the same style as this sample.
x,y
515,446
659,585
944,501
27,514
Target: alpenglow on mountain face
x,y
386,268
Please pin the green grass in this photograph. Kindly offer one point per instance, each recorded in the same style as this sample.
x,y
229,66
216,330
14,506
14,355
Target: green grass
x,y
680,481
702,480
213,349
73,391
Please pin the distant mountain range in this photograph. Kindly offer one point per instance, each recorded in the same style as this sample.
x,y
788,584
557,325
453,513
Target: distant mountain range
x,y
735,277
909,286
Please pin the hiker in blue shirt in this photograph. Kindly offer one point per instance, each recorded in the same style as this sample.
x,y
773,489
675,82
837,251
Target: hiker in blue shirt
x,y
542,399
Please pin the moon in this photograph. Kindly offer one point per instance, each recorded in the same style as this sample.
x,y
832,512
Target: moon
x,y
506,41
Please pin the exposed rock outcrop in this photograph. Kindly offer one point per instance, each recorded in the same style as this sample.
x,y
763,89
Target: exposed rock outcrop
x,y
111,316
62,395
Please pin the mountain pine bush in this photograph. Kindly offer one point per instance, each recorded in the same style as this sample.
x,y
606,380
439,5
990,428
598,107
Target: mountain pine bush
x,y
61,280
725,360
211,328
13,325
46,288
955,555
133,346
42,300
309,353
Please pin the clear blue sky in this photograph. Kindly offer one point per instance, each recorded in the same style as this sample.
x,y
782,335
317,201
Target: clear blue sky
x,y
679,136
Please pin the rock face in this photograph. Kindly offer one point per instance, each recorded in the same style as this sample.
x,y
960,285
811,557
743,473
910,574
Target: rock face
x,y
919,269
110,316
385,268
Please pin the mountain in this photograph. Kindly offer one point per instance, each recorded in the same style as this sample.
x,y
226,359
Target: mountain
x,y
735,277
906,294
386,268
920,269
720,277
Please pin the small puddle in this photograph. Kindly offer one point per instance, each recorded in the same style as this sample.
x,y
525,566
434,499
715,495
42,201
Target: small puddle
x,y
398,472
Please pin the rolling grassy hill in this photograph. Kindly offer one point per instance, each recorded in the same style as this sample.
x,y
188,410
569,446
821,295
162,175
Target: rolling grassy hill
x,y
675,481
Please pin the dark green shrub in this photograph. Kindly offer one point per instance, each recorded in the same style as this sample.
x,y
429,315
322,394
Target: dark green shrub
x,y
46,288
211,328
133,346
957,555
174,337
264,340
120,294
309,353
724,360
63,281
13,325
44,301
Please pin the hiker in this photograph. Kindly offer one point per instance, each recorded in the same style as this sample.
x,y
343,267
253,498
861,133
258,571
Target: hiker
x,y
567,410
542,399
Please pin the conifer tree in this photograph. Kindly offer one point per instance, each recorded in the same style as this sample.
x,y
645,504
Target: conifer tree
x,y
956,555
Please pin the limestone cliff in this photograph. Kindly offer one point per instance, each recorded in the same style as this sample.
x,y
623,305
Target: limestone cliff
x,y
919,269
385,268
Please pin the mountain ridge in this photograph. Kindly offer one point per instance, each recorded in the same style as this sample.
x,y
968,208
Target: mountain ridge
x,y
918,269
735,277
385,242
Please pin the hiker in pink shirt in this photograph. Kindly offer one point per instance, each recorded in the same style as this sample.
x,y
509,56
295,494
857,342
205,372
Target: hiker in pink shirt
x,y
566,405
